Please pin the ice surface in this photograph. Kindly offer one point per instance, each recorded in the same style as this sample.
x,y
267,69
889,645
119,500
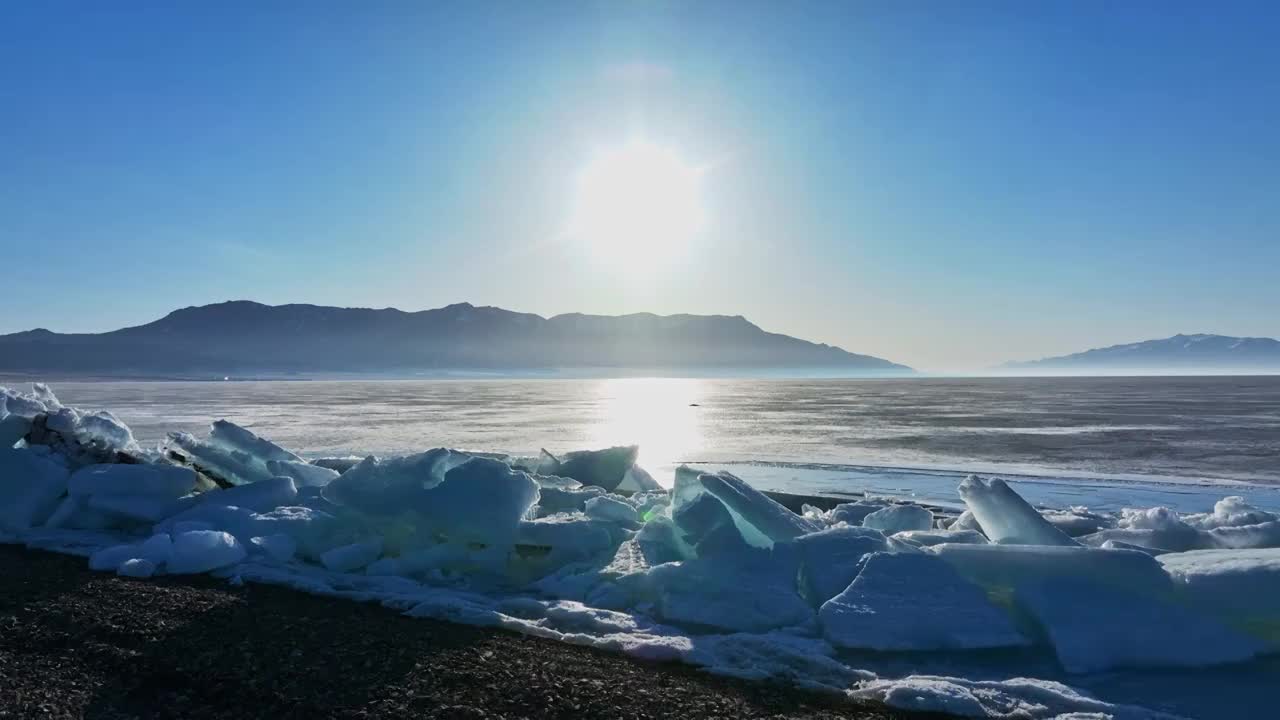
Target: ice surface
x,y
1095,628
1005,517
899,518
31,486
200,551
914,602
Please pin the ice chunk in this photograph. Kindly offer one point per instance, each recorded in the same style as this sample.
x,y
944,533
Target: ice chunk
x,y
157,549
1002,568
914,602
602,468
233,437
110,558
966,521
481,500
830,559
157,481
610,509
899,518
337,464
1005,517
1012,698
24,405
390,487
204,550
232,453
136,568
760,519
752,591
552,500
1077,521
303,474
704,527
563,539
637,480
1262,535
259,496
462,498
1240,587
138,508
1157,528
853,513
352,557
12,429
314,531
1095,628
278,547
929,538
1231,511
31,486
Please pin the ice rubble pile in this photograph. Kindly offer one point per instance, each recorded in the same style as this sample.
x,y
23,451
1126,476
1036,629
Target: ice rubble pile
x,y
588,548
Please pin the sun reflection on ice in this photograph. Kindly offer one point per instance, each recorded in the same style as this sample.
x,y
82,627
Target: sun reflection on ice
x,y
659,414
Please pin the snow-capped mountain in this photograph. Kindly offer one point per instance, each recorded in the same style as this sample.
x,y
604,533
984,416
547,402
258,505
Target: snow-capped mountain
x,y
1180,352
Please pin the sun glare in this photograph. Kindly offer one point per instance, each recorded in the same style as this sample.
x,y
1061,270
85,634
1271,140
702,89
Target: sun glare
x,y
638,204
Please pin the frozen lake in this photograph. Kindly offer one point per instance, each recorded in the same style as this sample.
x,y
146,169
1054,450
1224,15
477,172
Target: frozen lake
x,y
1105,442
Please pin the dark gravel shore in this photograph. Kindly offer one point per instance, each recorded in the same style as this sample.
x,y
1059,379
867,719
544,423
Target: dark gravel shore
x,y
75,643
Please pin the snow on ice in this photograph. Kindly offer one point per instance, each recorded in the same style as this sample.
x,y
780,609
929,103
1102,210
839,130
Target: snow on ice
x,y
586,547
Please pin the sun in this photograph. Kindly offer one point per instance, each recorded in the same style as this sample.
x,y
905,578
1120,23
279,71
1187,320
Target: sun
x,y
638,204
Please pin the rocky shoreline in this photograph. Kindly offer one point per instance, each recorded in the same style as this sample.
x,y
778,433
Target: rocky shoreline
x,y
81,644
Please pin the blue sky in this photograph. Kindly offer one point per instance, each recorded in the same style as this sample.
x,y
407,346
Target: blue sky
x,y
945,184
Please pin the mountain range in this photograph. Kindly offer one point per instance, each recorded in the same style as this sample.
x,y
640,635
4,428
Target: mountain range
x,y
243,338
1200,352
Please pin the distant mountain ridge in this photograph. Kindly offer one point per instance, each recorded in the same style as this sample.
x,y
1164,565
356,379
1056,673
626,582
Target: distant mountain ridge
x,y
1204,351
242,337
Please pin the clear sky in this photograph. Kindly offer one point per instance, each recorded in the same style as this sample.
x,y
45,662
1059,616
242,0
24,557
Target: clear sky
x,y
944,184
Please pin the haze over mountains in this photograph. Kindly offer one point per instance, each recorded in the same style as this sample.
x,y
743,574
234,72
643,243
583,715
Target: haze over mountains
x,y
242,338
1183,353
